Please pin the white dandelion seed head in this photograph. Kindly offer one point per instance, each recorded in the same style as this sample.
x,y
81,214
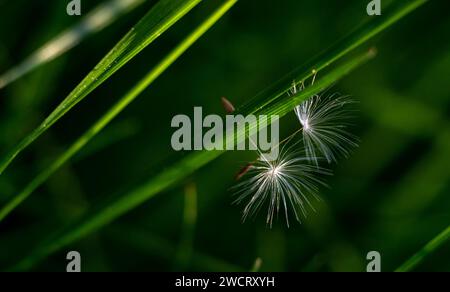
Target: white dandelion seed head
x,y
288,183
305,123
276,171
325,123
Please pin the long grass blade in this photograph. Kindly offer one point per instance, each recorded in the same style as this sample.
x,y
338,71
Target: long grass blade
x,y
108,212
272,101
186,245
256,265
433,245
116,109
154,23
99,18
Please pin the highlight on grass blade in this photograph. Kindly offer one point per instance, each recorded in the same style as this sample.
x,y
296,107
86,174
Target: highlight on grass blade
x,y
99,18
431,246
158,20
116,109
244,170
174,174
171,175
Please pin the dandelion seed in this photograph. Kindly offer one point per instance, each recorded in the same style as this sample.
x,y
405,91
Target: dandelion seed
x,y
325,123
290,182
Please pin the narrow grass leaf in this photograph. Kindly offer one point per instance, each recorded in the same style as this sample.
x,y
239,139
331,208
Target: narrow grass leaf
x,y
160,18
116,109
433,245
365,32
170,176
186,245
99,18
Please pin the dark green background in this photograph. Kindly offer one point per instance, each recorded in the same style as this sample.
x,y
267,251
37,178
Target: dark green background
x,y
391,196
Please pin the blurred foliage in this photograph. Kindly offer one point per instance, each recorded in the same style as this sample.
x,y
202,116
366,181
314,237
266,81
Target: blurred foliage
x,y
391,196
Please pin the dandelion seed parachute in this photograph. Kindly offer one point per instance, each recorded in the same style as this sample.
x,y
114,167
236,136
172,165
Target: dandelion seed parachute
x,y
290,182
325,120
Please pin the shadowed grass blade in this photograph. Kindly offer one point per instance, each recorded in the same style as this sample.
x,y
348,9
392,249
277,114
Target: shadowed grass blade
x,y
116,109
170,176
155,22
324,60
102,16
272,101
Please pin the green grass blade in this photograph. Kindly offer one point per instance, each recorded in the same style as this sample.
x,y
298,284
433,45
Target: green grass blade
x,y
116,133
116,109
433,245
361,35
172,175
99,18
154,23
186,245
272,101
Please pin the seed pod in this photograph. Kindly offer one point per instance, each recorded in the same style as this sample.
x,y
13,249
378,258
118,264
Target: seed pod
x,y
227,105
243,171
